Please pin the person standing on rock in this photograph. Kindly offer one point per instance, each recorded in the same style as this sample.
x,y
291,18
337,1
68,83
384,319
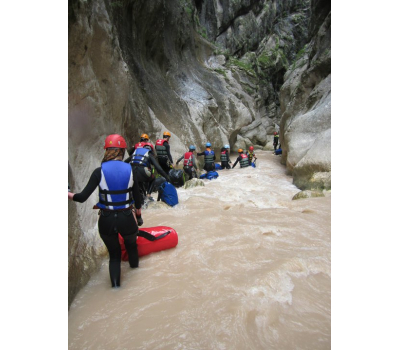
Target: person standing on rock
x,y
189,162
224,157
163,152
118,195
243,159
276,140
209,158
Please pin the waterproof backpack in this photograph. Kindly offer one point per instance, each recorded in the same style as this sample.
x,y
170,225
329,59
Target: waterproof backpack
x,y
167,193
218,166
177,177
210,175
157,183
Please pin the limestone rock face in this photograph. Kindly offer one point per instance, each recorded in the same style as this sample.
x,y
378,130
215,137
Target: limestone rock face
x,y
306,111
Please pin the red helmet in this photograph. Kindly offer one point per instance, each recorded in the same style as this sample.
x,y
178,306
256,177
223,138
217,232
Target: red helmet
x,y
275,133
114,141
251,148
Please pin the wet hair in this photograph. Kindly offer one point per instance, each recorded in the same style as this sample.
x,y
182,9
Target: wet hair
x,y
113,154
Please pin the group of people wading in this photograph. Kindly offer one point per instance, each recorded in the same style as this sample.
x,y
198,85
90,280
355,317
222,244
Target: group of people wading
x,y
122,185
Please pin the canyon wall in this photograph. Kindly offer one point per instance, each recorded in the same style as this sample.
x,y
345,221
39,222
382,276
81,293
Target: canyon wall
x,y
205,70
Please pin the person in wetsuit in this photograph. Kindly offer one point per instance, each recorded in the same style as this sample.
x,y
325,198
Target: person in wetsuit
x,y
143,164
143,138
189,162
251,155
224,156
118,194
276,140
209,158
243,159
163,152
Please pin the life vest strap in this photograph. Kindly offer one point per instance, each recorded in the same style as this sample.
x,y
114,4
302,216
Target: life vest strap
x,y
150,237
130,189
115,204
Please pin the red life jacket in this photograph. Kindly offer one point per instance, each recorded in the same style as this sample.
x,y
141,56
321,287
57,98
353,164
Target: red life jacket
x,y
143,144
224,156
160,148
188,159
244,161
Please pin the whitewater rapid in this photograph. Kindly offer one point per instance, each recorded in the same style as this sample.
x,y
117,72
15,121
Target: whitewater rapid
x,y
252,270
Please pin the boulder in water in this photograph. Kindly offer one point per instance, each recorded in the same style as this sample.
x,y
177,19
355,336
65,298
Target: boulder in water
x,y
307,194
193,183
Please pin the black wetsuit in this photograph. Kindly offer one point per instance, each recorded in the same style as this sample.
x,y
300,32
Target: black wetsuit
x,y
112,222
244,162
142,172
276,139
190,170
225,160
251,155
164,156
209,159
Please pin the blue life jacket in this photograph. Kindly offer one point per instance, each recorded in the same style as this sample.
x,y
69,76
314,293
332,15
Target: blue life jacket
x,y
141,157
116,185
168,194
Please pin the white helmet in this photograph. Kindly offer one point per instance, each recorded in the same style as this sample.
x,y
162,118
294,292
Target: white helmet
x,y
226,146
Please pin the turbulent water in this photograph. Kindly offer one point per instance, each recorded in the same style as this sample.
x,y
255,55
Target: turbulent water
x,y
252,270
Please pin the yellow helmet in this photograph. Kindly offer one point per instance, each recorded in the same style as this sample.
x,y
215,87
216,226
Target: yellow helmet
x,y
240,150
167,133
144,136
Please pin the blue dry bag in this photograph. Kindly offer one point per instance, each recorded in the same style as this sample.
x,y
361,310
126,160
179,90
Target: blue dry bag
x,y
218,166
278,151
168,194
210,175
253,164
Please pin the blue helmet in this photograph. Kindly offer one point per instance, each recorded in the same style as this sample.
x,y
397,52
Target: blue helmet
x,y
208,144
226,146
192,148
